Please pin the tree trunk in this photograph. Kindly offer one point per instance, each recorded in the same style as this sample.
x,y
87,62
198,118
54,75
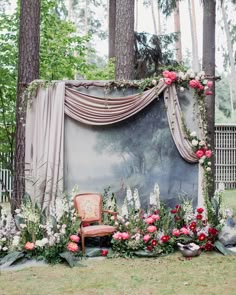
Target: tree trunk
x,y
208,61
178,43
112,28
136,15
159,20
192,16
153,17
124,42
28,70
231,59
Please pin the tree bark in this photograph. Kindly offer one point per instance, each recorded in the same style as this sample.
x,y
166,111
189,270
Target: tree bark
x,y
231,59
112,28
159,20
153,17
208,61
192,17
124,40
136,15
28,70
178,43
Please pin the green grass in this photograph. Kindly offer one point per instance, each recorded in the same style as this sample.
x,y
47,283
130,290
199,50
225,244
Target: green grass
x,y
208,274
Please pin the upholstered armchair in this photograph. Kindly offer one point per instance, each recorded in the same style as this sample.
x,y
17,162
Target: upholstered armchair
x,y
89,208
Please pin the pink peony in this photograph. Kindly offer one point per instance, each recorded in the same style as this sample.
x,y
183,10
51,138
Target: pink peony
x,y
208,92
199,153
146,238
172,76
208,153
117,236
168,81
151,228
166,74
150,220
194,83
29,246
184,231
209,84
125,235
74,238
155,217
73,247
175,232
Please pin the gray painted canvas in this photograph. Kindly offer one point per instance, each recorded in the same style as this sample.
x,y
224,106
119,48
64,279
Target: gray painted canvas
x,y
138,152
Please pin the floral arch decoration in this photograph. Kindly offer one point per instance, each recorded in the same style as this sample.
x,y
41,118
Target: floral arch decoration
x,y
49,102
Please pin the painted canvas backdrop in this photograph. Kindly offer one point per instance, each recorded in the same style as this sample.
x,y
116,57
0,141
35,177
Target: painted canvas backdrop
x,y
137,152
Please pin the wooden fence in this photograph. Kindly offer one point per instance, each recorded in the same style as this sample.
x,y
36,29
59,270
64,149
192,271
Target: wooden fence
x,y
5,181
225,155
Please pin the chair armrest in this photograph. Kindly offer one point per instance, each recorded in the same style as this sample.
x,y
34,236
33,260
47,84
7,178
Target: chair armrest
x,y
110,212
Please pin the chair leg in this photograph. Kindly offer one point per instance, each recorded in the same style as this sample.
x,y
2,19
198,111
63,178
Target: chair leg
x,y
82,244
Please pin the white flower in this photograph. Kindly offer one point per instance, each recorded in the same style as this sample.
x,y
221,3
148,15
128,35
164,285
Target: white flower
x,y
63,226
209,163
4,239
124,210
112,218
201,161
180,75
154,82
189,71
15,241
202,143
192,75
44,241
194,142
197,78
193,134
22,225
39,243
17,211
181,89
208,169
127,223
4,248
137,204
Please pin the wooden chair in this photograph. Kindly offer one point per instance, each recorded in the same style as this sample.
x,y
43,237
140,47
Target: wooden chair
x,y
89,208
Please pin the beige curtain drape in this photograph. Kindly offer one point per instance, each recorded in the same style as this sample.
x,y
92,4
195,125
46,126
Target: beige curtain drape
x,y
45,128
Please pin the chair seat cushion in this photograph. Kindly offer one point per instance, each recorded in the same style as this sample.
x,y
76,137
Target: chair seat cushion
x,y
96,230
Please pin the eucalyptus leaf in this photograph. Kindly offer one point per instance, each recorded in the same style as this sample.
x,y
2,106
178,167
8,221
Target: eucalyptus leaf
x,y
222,249
11,258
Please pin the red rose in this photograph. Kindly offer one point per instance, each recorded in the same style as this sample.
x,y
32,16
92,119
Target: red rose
x,y
199,217
199,153
178,207
104,252
173,211
201,237
200,210
208,246
154,243
149,248
192,226
165,239
213,231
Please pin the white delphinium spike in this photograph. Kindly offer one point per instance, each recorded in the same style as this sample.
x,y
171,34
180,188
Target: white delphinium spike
x,y
188,210
124,209
75,190
59,208
129,196
157,195
137,204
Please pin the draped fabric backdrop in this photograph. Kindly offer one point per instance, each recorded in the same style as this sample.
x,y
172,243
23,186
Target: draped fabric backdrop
x,y
45,129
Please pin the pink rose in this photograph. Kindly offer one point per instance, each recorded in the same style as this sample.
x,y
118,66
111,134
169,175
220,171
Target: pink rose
x,y
146,238
74,238
125,235
208,92
200,86
166,74
184,231
117,236
208,153
194,83
168,81
149,220
155,217
73,247
172,76
209,84
151,228
199,153
29,246
175,232
104,252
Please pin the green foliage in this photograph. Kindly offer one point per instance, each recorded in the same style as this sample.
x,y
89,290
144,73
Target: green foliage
x,y
101,73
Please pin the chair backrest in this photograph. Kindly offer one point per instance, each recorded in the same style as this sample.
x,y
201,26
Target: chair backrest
x,y
89,207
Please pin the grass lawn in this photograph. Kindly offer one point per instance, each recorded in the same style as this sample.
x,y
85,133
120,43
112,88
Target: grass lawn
x,y
208,274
